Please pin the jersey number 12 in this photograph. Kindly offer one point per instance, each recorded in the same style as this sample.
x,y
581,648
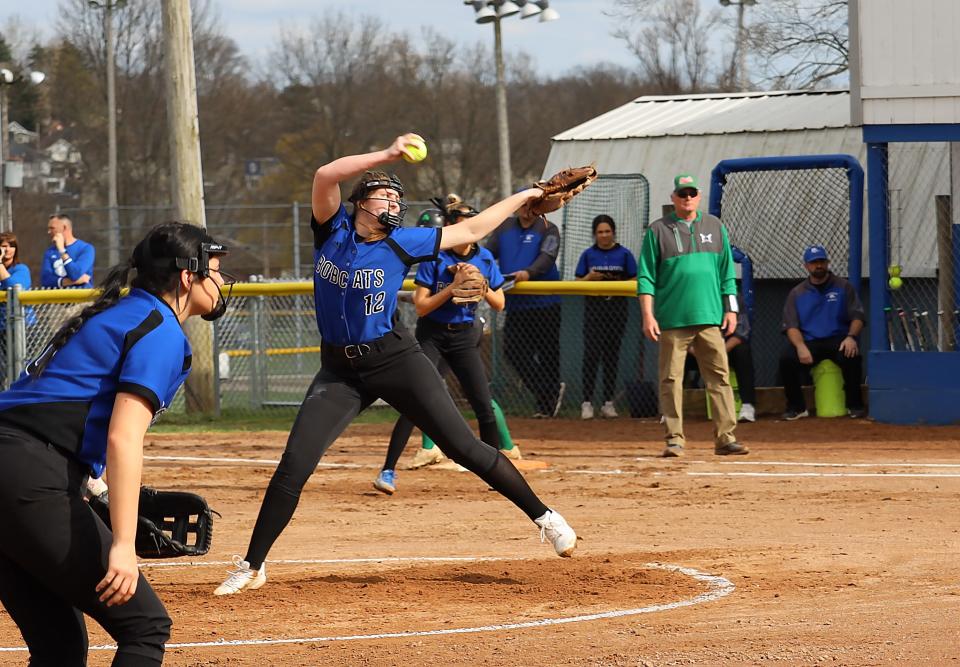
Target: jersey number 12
x,y
374,302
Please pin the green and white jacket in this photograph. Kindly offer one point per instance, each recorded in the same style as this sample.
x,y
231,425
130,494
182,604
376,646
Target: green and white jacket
x,y
688,269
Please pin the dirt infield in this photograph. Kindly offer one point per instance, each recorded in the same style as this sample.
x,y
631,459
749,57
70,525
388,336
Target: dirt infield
x,y
841,540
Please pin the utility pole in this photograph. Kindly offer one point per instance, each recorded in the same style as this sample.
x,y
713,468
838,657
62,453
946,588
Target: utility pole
x,y
113,224
186,180
503,128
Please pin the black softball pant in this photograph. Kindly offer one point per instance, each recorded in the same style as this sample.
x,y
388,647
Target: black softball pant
x,y
396,370
54,553
459,350
791,371
604,321
532,346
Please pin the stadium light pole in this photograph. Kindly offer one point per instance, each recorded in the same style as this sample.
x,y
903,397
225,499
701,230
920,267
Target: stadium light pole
x,y
113,227
8,77
493,11
740,52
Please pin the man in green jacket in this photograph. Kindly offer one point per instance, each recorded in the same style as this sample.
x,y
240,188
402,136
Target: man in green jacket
x,y
688,296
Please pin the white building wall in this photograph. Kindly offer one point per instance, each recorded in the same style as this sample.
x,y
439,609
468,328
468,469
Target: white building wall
x,y
909,61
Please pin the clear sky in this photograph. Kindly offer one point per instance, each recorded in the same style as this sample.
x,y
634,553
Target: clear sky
x,y
581,36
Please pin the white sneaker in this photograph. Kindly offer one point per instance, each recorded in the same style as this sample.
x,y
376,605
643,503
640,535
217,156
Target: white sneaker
x,y
747,413
608,411
243,578
586,410
513,453
426,457
555,528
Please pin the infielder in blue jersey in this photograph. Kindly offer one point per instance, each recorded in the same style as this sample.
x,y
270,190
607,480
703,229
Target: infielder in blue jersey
x,y
83,404
360,260
604,317
452,332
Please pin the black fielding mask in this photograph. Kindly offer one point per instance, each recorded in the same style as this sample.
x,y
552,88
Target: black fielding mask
x,y
387,219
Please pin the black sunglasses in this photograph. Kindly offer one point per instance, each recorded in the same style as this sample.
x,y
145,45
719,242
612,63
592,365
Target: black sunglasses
x,y
687,194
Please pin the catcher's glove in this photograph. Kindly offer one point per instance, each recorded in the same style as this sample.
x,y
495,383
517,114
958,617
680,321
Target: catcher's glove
x,y
171,523
469,285
561,188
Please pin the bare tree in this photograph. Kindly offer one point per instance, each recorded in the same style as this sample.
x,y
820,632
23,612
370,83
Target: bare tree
x,y
672,40
802,44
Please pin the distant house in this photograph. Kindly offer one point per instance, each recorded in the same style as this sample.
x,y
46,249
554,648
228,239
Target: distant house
x,y
50,163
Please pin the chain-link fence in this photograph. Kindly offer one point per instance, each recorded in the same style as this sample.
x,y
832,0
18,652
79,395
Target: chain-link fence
x,y
773,208
624,197
265,240
267,350
922,308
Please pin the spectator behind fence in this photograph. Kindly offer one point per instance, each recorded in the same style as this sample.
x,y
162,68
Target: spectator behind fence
x,y
687,290
822,319
526,247
740,361
68,262
12,272
604,317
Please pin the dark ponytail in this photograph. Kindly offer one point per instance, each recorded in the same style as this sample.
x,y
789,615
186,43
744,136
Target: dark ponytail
x,y
154,259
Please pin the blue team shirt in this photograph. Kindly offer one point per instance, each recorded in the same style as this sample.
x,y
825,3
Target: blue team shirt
x,y
19,275
54,269
517,248
822,311
137,346
355,284
617,261
435,276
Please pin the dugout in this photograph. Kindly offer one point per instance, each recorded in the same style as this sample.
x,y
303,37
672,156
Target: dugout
x,y
658,136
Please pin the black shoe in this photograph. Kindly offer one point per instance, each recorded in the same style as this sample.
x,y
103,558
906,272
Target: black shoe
x,y
730,448
857,413
793,415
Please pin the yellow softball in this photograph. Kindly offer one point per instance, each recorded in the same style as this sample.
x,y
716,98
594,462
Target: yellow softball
x,y
416,151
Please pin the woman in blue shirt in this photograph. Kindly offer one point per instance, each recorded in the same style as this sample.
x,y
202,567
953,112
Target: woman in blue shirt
x,y
84,404
360,261
604,317
452,332
12,272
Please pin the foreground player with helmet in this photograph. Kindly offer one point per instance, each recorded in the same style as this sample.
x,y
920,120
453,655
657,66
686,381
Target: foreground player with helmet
x,y
84,404
360,261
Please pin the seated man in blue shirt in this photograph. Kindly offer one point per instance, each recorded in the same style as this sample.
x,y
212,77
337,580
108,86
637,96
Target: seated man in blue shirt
x,y
69,261
822,318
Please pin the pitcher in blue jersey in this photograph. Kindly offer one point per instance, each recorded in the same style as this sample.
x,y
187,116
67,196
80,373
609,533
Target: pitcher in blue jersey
x,y
452,332
83,404
360,260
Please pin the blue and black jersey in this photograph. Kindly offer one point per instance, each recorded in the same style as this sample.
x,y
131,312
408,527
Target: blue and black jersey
x,y
617,262
81,259
533,249
435,276
136,346
355,283
822,311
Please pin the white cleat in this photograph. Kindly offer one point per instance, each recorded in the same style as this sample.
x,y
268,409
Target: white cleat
x,y
555,528
607,411
747,413
243,578
586,410
426,457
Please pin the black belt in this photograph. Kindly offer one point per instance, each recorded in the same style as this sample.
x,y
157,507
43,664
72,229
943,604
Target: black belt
x,y
459,326
355,351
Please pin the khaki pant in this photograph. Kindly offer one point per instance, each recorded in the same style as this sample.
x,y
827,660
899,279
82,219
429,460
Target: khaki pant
x,y
708,347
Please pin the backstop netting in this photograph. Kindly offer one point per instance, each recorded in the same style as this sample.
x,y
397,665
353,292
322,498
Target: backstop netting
x,y
773,208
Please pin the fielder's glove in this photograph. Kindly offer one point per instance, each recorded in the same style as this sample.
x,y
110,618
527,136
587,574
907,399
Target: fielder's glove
x,y
171,523
561,188
469,285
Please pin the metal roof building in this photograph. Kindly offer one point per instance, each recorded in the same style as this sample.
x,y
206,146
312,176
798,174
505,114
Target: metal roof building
x,y
660,136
